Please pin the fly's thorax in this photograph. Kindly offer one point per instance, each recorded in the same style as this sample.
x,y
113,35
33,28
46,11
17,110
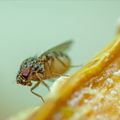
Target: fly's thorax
x,y
38,71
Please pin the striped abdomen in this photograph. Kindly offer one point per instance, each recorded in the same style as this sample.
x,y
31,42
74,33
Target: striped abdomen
x,y
56,64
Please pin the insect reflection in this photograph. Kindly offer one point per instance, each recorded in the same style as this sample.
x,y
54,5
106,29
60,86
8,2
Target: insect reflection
x,y
50,64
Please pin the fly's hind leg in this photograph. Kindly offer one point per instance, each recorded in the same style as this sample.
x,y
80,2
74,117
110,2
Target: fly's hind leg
x,y
33,88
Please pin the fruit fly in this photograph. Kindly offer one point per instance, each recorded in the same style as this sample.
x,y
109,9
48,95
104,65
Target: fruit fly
x,y
50,64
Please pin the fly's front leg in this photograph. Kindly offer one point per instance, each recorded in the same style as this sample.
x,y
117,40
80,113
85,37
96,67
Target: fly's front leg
x,y
33,88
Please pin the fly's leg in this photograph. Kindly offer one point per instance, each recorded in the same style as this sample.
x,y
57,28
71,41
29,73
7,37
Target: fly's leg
x,y
46,85
43,82
33,88
58,76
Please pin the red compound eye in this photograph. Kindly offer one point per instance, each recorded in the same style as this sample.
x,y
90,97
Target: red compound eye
x,y
25,72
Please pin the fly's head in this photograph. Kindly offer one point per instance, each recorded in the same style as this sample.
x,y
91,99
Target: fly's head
x,y
28,70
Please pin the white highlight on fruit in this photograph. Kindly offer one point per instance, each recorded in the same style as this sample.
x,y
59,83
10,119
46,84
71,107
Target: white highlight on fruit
x,y
117,73
109,81
113,92
79,94
56,86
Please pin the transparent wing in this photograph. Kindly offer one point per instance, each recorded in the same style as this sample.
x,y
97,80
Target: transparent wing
x,y
62,47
